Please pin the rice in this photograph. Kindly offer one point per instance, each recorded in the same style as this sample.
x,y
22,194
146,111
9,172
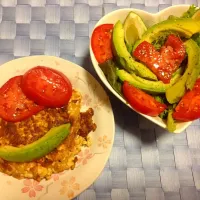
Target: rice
x,y
60,159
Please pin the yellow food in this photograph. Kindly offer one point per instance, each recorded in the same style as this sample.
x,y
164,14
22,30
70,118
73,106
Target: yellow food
x,y
30,130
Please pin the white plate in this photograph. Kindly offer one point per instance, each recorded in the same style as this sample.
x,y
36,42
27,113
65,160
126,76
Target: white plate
x,y
91,161
149,19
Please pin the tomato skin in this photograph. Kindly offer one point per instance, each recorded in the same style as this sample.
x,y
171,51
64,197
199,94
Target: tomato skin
x,y
146,53
14,105
47,87
188,108
141,101
165,62
101,42
173,51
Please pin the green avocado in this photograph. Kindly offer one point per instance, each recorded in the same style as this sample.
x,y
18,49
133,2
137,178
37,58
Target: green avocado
x,y
184,26
171,125
37,149
146,85
187,81
124,57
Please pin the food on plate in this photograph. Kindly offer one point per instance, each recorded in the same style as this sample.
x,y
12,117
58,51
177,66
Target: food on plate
x,y
123,56
46,87
168,59
37,149
142,101
189,107
156,69
39,144
134,28
190,75
14,105
101,42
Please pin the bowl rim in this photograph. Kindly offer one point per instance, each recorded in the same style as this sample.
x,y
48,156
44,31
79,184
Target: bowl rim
x,y
157,120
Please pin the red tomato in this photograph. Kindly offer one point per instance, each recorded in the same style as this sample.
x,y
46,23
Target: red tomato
x,y
101,42
188,108
47,87
14,105
165,62
146,53
173,52
141,101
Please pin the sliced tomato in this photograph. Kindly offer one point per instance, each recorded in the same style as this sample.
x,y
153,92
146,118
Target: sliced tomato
x,y
173,51
101,42
146,53
162,63
14,105
47,87
188,108
141,101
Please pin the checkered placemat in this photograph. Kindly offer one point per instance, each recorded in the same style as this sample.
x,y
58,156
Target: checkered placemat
x,y
146,162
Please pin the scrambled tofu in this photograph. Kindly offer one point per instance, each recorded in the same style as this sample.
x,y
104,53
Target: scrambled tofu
x,y
60,159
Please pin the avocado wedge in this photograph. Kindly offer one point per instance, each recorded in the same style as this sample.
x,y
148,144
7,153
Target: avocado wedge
x,y
146,85
183,26
124,58
52,139
187,81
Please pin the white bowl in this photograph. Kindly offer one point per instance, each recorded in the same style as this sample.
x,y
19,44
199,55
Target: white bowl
x,y
149,19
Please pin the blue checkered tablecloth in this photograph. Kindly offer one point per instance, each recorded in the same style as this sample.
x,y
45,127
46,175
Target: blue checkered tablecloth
x,y
146,162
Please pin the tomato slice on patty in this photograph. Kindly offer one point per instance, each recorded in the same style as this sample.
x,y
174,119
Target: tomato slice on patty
x,y
141,101
47,87
14,105
101,42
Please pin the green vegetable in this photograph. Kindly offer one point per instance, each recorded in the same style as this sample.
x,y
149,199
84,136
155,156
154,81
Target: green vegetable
x,y
160,40
134,28
146,85
177,91
124,58
109,68
171,125
172,17
196,38
193,59
164,114
37,149
190,12
129,48
184,27
162,99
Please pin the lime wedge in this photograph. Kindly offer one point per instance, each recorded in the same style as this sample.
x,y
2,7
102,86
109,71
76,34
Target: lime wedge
x,y
134,28
196,15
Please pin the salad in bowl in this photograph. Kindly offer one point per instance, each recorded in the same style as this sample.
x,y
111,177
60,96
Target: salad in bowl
x,y
151,62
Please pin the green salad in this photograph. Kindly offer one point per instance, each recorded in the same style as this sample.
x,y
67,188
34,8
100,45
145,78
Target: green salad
x,y
156,69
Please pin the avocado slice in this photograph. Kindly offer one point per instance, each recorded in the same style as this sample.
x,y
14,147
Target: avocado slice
x,y
171,125
146,85
187,81
184,26
37,149
124,57
193,51
134,28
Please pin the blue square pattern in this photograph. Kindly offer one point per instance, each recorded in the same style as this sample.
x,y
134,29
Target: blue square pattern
x,y
146,163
